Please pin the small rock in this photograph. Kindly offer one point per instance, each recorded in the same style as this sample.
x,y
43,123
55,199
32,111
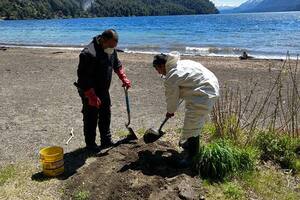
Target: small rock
x,y
3,48
58,52
185,191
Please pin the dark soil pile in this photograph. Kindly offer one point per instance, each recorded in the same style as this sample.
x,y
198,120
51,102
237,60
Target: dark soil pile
x,y
133,171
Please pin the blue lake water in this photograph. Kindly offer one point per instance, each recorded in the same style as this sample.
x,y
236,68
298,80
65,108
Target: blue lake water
x,y
261,34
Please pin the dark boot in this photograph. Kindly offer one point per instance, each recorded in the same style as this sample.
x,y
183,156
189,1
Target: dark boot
x,y
193,146
190,150
93,148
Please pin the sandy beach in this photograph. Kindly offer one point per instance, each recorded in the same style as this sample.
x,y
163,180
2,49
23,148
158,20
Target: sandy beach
x,y
39,104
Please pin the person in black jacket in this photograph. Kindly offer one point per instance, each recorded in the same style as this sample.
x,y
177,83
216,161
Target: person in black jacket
x,y
96,63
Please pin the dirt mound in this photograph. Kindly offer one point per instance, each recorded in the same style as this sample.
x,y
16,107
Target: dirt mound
x,y
133,171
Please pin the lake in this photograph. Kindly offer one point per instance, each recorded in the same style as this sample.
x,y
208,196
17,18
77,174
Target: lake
x,y
260,34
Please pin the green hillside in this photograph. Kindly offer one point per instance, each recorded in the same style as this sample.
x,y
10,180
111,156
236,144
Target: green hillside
x,y
44,9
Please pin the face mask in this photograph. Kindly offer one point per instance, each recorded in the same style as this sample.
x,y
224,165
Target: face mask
x,y
109,51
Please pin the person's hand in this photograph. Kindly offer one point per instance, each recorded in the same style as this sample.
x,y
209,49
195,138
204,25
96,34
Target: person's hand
x,y
93,100
126,83
122,76
170,115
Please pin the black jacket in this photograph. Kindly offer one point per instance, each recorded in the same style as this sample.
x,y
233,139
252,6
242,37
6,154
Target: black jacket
x,y
95,68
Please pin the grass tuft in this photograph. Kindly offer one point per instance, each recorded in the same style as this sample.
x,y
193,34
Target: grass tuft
x,y
6,174
279,149
81,195
220,159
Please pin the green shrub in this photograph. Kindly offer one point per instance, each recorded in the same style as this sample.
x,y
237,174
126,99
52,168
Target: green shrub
x,y
247,158
209,128
220,159
279,149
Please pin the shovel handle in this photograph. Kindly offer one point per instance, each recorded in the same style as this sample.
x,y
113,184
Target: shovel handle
x,y
166,119
127,105
162,124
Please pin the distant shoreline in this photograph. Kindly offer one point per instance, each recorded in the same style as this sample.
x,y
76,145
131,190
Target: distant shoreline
x,y
36,46
80,47
93,17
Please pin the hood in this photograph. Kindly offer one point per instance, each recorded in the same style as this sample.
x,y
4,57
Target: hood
x,y
172,59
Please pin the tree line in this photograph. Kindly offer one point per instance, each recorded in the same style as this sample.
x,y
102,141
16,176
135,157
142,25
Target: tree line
x,y
46,9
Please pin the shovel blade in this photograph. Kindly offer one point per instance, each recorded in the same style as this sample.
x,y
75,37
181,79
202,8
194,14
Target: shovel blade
x,y
131,135
151,136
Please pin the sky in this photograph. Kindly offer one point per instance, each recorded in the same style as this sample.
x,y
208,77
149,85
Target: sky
x,y
228,2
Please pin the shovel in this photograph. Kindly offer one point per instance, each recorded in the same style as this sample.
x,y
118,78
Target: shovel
x,y
151,135
132,135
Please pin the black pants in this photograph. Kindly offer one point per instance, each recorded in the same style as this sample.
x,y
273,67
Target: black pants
x,y
93,116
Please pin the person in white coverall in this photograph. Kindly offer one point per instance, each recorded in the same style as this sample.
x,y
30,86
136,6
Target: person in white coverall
x,y
197,86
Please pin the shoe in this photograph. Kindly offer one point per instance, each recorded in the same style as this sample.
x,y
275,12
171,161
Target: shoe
x,y
190,150
191,146
184,163
93,148
107,144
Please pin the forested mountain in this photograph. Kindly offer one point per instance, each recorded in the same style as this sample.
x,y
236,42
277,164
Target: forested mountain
x,y
278,5
268,6
248,5
23,9
40,9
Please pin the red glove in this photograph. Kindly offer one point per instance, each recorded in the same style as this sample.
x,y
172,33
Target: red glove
x,y
122,76
170,115
93,99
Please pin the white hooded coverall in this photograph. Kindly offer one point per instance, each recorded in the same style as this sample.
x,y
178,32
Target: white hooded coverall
x,y
196,85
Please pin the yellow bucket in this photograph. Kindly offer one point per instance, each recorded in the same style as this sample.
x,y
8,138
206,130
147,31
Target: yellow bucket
x,y
52,160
